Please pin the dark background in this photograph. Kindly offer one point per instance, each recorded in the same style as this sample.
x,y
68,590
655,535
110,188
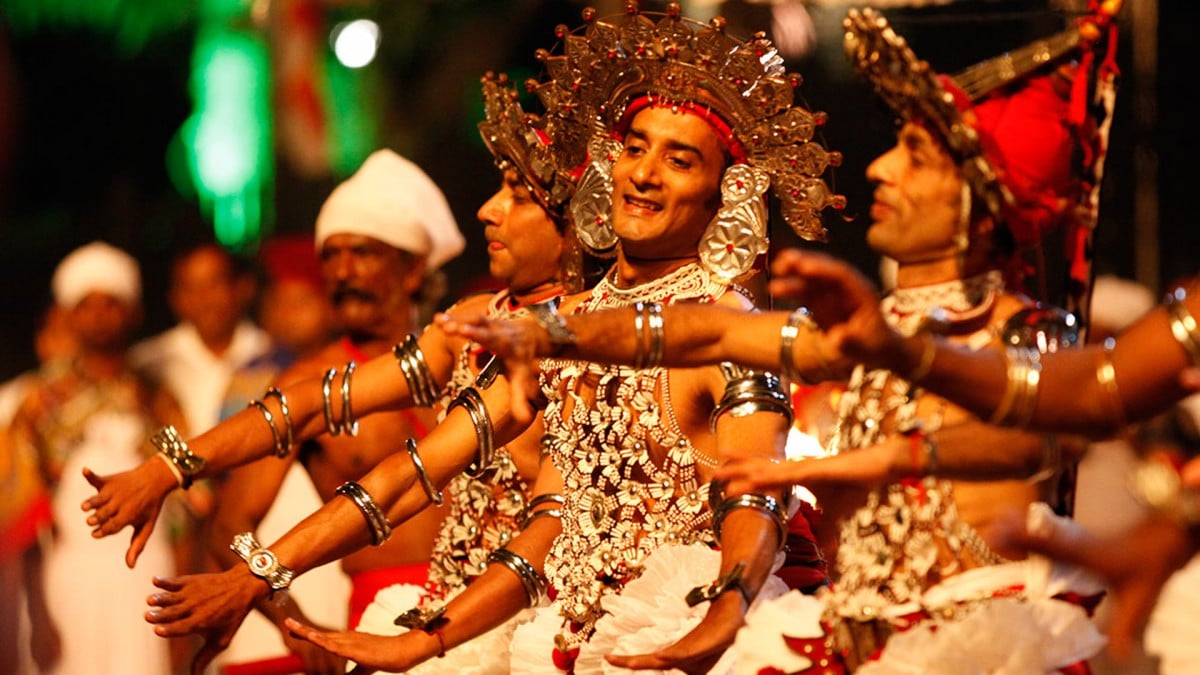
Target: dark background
x,y
85,126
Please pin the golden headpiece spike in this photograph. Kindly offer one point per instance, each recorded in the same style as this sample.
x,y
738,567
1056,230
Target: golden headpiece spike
x,y
669,59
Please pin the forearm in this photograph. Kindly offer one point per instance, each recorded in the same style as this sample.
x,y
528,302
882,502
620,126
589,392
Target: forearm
x,y
692,335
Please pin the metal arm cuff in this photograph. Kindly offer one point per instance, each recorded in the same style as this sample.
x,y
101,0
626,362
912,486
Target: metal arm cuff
x,y
375,517
172,447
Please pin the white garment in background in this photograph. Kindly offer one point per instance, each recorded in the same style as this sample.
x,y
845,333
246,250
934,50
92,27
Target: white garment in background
x,y
96,601
196,377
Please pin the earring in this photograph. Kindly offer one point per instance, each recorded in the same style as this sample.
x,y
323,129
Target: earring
x,y
591,207
737,235
962,235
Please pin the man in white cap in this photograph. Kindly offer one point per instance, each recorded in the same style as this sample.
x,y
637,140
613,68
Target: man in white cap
x,y
92,409
381,237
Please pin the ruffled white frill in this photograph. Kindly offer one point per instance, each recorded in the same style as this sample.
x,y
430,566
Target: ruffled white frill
x,y
1173,633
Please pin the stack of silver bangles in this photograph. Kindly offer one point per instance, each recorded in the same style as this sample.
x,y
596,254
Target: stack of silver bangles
x,y
421,385
172,448
376,519
748,392
533,583
648,335
721,506
283,443
348,423
532,512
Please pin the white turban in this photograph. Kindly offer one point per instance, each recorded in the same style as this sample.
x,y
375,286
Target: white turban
x,y
96,267
391,199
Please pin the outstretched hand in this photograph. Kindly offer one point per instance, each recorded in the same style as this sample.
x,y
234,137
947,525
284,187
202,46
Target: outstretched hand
x,y
844,303
696,652
210,605
130,498
369,652
516,342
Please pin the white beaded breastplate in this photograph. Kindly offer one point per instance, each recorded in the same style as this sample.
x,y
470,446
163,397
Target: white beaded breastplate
x,y
629,473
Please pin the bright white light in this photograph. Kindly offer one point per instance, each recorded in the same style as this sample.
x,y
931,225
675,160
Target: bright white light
x,y
355,43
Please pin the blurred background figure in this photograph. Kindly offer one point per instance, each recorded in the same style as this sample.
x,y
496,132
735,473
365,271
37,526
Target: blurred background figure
x,y
24,511
92,409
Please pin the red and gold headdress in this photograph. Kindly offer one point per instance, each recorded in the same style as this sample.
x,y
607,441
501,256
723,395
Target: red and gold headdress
x,y
612,66
1028,149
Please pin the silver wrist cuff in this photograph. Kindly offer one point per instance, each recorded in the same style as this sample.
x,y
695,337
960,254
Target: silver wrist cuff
x,y
410,358
472,401
173,448
533,583
432,492
262,562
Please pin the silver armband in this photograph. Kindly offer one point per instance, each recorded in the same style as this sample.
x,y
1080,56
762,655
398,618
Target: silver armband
x,y
721,506
532,512
375,517
547,316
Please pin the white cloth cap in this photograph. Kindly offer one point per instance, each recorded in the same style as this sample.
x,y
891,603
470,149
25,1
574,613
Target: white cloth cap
x,y
391,199
96,267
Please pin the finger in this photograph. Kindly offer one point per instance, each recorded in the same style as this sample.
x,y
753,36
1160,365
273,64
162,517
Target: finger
x,y
95,481
205,656
171,584
137,543
636,661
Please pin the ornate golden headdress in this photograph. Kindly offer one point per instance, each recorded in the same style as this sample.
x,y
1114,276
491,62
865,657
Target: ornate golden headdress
x,y
515,141
1027,150
611,63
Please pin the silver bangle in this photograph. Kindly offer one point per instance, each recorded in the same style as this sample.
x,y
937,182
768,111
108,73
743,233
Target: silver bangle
x,y
787,341
1183,325
349,424
547,316
471,399
731,580
648,335
280,451
432,492
748,392
326,395
765,503
172,447
533,583
375,517
274,392
548,498
421,386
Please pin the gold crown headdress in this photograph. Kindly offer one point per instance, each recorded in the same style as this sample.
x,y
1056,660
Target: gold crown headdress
x,y
516,141
513,138
610,63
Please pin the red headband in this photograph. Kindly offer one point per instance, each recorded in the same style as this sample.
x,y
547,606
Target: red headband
x,y
724,132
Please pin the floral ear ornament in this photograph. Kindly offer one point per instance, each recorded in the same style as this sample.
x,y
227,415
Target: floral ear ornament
x,y
613,67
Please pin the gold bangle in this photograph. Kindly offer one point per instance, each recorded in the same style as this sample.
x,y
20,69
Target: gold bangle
x,y
801,316
1106,375
928,353
1020,392
1183,325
